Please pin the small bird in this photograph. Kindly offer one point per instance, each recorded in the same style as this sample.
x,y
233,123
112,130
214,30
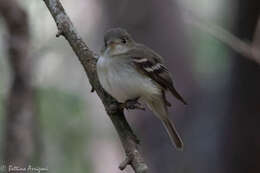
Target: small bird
x,y
131,72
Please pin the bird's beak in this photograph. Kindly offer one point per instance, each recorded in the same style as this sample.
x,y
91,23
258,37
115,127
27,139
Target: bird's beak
x,y
113,43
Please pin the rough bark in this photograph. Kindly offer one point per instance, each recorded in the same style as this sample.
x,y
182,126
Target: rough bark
x,y
88,60
19,144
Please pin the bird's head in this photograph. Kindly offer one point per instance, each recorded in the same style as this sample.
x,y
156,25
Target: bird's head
x,y
117,41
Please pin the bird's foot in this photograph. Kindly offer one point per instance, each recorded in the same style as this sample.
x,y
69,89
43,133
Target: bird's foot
x,y
92,89
132,104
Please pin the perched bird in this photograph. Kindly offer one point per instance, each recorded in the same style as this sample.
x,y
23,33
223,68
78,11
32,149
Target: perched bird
x,y
131,72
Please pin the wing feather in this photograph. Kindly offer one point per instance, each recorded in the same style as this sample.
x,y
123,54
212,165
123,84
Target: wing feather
x,y
150,63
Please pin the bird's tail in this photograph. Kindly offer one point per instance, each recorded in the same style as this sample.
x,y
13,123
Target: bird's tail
x,y
173,134
159,108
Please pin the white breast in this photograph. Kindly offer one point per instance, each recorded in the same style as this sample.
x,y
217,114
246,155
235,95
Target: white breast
x,y
122,81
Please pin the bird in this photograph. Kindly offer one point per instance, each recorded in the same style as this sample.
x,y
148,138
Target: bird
x,y
135,75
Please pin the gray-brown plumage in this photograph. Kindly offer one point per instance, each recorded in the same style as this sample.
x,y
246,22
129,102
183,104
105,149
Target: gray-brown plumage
x,y
128,70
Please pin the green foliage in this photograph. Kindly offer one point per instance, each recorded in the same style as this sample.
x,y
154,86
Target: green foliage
x,y
65,131
212,56
211,63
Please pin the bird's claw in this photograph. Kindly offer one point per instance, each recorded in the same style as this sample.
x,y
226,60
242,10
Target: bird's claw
x,y
132,104
92,89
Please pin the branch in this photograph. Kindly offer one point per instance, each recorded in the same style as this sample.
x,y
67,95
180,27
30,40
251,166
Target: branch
x,y
88,59
250,51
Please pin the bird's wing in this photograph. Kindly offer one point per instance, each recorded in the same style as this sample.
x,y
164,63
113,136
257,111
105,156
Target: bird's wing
x,y
150,63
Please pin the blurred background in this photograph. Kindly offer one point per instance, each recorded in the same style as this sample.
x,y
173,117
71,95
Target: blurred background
x,y
50,119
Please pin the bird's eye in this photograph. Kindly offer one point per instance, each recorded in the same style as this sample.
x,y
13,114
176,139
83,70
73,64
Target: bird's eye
x,y
123,40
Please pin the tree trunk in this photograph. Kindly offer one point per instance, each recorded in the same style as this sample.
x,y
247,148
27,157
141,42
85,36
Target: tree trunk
x,y
20,108
243,139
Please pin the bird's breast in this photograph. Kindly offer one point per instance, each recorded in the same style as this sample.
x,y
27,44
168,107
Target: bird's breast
x,y
122,81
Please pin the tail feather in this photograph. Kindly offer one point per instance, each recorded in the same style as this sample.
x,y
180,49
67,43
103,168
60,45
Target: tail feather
x,y
159,108
173,134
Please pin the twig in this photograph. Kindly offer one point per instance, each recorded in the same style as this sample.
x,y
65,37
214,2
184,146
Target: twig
x,y
88,60
126,162
249,51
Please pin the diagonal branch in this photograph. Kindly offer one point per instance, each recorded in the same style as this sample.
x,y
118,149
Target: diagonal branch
x,y
250,51
88,60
